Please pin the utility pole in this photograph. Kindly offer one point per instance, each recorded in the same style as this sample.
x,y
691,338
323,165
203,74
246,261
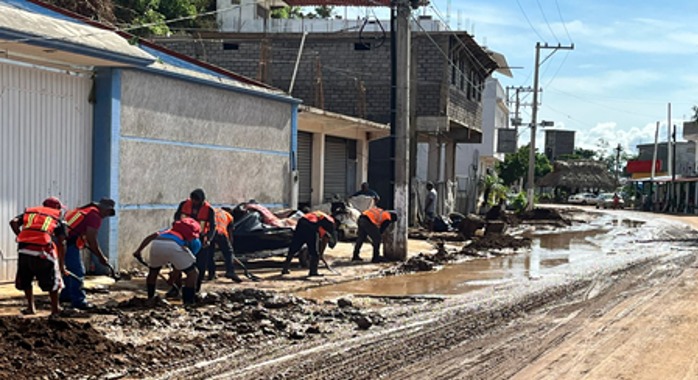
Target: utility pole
x,y
530,186
618,149
516,120
396,245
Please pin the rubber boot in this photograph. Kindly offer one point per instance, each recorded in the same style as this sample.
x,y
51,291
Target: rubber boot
x,y
287,265
313,263
233,276
356,257
188,295
172,293
151,290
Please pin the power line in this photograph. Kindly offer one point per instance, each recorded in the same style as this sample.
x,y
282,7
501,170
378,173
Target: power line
x,y
107,29
564,24
602,105
529,21
546,21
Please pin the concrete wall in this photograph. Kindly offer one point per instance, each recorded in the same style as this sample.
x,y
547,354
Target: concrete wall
x,y
176,136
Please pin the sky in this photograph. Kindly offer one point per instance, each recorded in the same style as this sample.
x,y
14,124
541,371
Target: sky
x,y
630,59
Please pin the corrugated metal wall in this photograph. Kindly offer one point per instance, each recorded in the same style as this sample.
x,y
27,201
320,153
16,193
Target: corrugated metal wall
x,y
335,167
45,145
305,165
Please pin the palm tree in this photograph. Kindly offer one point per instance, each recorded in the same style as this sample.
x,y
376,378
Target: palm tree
x,y
493,188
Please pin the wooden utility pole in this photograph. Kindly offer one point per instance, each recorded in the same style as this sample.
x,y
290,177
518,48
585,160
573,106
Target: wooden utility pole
x,y
396,245
530,185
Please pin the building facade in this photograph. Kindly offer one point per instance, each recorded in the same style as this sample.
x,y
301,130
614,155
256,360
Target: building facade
x,y
558,143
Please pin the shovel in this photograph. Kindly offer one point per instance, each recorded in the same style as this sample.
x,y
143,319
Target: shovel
x,y
247,273
162,277
112,272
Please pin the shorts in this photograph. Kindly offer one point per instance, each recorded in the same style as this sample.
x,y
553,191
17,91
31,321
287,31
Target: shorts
x,y
163,251
39,265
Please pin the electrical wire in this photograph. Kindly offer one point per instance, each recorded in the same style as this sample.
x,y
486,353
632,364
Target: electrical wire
x,y
602,105
529,21
123,29
545,18
564,24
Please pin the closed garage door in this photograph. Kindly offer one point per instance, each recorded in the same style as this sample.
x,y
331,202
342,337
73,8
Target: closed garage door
x,y
305,164
46,135
340,167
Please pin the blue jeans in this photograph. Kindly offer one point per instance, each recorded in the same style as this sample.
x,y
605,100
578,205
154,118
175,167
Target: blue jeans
x,y
73,290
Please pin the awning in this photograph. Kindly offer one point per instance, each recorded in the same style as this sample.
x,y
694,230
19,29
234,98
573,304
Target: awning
x,y
28,35
311,119
501,62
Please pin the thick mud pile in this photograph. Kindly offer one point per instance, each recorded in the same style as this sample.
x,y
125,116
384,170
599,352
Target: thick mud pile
x,y
54,348
138,337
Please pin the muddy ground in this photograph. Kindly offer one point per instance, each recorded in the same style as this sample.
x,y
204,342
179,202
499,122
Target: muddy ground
x,y
529,328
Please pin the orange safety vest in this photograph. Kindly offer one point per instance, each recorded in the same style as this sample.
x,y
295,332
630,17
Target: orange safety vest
x,y
316,216
38,224
377,215
223,219
202,216
74,218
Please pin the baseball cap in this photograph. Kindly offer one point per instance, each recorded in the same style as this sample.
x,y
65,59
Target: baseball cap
x,y
53,202
109,204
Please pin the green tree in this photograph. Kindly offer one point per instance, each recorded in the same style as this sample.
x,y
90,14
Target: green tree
x,y
515,166
287,13
493,189
324,11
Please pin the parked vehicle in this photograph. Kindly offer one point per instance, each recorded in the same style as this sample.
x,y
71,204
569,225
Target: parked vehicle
x,y
582,199
606,200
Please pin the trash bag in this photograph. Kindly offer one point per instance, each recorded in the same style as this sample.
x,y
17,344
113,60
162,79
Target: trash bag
x,y
441,224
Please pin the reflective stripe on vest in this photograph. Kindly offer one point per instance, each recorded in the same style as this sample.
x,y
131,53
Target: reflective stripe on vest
x,y
202,216
223,219
377,215
38,225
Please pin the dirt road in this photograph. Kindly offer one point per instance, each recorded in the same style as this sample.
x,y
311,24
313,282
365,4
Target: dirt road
x,y
635,322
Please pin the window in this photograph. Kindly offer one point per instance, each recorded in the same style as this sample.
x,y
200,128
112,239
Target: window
x,y
230,46
461,67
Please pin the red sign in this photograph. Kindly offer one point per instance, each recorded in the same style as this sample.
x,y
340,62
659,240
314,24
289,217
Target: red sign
x,y
643,166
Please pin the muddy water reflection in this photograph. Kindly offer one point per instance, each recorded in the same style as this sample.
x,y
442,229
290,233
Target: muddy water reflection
x,y
548,251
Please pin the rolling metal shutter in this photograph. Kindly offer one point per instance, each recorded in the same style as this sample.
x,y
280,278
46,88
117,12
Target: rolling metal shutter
x,y
335,167
46,135
305,165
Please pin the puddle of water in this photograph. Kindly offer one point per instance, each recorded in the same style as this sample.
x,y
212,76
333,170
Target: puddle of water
x,y
548,252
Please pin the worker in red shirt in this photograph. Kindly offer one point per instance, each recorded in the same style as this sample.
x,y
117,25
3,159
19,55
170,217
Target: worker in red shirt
x,y
311,229
41,251
176,245
197,208
83,225
373,223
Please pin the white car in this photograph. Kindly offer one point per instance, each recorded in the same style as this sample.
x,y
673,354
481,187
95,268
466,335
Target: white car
x,y
582,199
606,200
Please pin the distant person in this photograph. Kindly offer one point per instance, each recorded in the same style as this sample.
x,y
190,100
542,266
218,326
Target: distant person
x,y
430,205
83,225
373,223
176,245
365,190
40,246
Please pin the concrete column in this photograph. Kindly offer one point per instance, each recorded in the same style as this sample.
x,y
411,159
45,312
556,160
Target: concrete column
x,y
450,161
362,161
687,187
318,180
434,161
